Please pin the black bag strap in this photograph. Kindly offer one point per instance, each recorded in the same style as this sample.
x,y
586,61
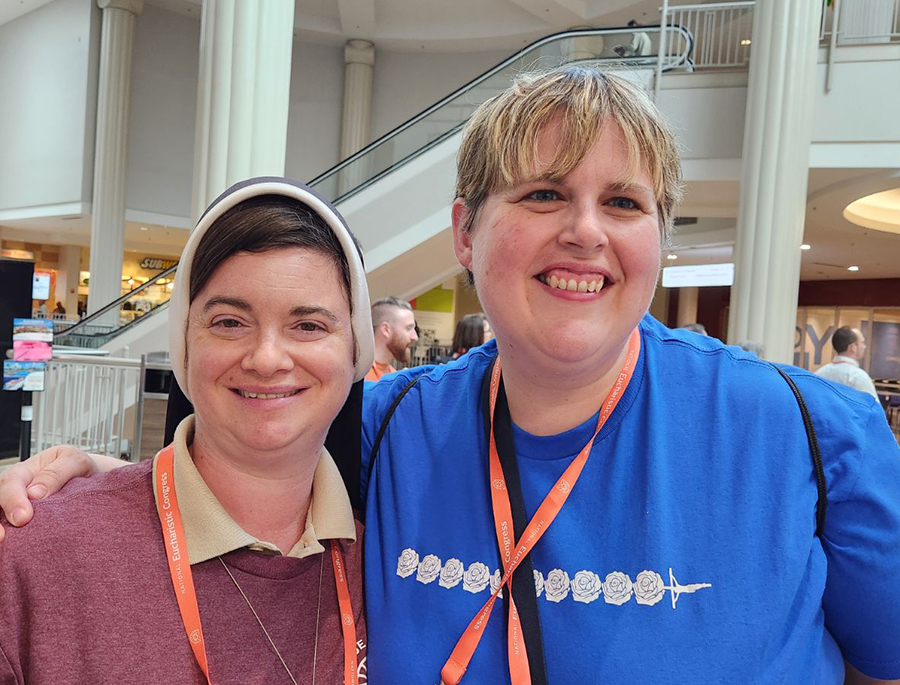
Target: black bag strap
x,y
814,450
523,577
384,424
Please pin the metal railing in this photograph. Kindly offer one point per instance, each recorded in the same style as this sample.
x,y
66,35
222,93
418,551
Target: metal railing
x,y
432,353
860,22
720,32
93,403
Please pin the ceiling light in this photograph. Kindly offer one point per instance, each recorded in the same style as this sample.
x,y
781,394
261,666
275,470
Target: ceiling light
x,y
853,268
672,257
880,211
170,285
144,228
746,41
130,281
804,246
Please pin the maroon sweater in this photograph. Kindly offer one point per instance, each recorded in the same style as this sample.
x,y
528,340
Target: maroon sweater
x,y
86,597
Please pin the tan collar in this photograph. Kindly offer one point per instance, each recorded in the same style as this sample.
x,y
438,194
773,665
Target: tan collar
x,y
210,532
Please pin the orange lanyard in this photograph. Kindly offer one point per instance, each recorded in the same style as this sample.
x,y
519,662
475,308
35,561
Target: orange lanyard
x,y
183,582
512,554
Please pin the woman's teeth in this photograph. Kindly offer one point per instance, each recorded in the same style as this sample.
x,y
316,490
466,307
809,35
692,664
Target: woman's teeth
x,y
571,284
266,396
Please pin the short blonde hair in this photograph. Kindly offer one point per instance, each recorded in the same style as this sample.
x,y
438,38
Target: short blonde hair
x,y
500,143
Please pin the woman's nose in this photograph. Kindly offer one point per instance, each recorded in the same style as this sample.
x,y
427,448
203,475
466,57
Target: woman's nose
x,y
585,228
267,356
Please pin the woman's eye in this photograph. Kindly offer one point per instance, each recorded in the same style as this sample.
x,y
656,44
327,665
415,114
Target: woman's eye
x,y
309,326
227,323
623,203
543,195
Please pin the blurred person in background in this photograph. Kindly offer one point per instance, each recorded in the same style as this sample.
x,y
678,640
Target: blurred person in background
x,y
850,349
471,331
695,328
753,348
640,45
394,324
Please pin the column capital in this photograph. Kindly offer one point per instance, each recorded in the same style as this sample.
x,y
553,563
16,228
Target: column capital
x,y
133,6
359,52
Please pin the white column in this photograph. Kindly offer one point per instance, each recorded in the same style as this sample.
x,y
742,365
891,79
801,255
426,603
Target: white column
x,y
67,278
243,94
108,203
359,60
687,306
774,174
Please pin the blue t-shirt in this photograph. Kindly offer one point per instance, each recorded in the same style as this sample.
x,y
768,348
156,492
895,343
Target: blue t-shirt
x,y
686,552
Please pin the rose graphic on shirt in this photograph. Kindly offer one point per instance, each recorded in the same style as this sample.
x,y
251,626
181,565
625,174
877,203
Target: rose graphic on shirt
x,y
429,569
586,587
476,577
617,588
538,583
556,585
495,582
648,588
451,574
407,563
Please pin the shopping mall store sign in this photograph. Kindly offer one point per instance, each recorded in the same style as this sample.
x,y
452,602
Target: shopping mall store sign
x,y
156,264
698,275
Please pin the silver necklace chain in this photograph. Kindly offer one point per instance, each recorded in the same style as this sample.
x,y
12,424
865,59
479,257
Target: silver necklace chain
x,y
266,632
318,608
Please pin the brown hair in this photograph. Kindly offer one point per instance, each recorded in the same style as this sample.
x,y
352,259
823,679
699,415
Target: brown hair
x,y
385,309
469,333
500,144
260,224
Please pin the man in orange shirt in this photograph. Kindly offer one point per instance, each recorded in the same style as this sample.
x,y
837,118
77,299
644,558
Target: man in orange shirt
x,y
395,334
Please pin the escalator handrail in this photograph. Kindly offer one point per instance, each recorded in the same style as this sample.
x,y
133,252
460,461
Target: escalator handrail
x,y
92,318
562,35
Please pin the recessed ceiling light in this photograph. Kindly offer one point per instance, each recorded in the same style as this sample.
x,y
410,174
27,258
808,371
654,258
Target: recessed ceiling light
x,y
804,246
853,268
672,256
746,41
144,228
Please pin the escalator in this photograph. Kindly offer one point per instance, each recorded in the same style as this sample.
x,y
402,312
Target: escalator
x,y
396,192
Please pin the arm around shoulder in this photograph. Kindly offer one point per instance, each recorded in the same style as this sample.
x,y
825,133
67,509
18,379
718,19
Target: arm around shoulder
x,y
44,474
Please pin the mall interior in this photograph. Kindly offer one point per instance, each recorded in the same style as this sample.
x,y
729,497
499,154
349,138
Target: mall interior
x,y
123,119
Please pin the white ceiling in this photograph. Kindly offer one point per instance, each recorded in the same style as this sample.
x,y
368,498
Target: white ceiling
x,y
835,243
12,9
445,25
164,241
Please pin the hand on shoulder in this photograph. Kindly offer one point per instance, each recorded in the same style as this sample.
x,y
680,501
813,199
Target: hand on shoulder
x,y
42,475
